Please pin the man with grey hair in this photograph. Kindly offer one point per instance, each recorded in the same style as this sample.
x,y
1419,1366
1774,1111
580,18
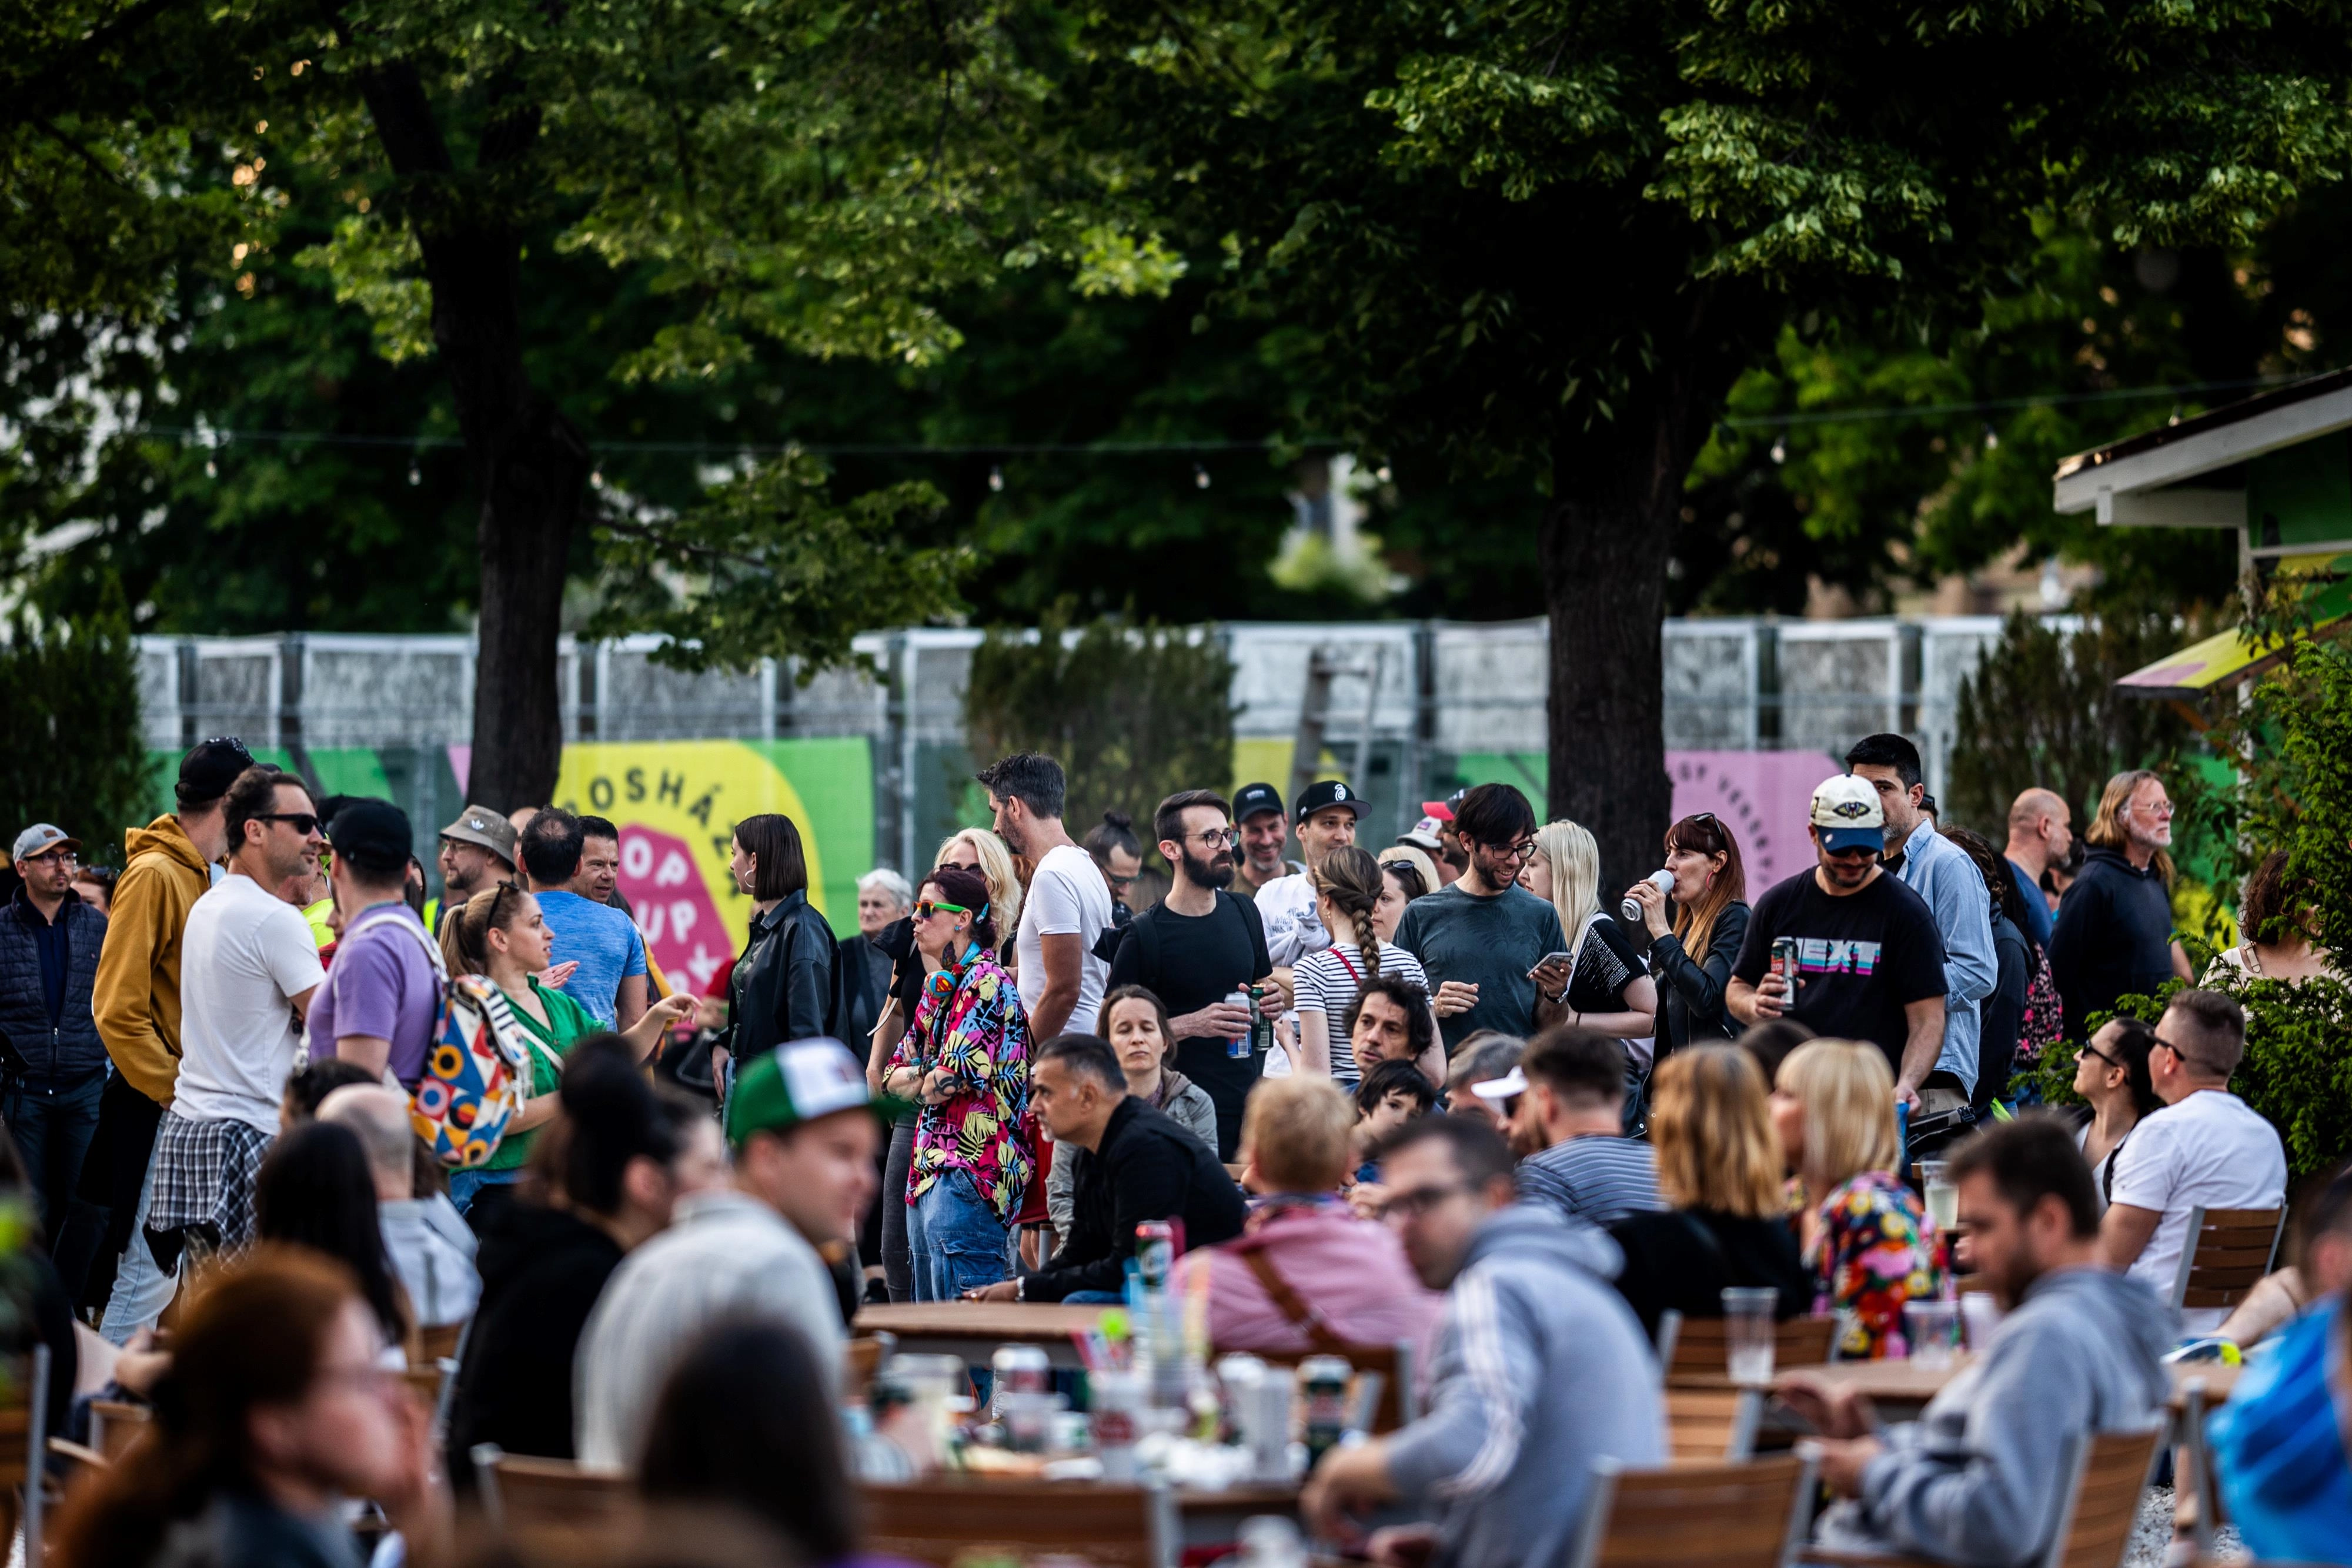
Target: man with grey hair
x,y
431,1246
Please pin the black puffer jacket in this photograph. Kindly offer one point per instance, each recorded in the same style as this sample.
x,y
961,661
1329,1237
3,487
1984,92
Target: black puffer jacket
x,y
71,1048
787,983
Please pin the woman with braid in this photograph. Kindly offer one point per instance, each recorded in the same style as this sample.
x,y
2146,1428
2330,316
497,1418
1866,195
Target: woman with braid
x,y
1349,890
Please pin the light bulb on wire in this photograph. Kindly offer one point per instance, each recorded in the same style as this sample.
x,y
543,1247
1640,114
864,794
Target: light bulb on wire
x,y
995,478
1199,477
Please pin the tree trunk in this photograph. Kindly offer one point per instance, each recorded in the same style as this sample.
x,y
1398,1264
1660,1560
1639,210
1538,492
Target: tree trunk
x,y
1608,531
530,465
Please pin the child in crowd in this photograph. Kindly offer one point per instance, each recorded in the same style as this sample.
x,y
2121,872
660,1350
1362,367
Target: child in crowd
x,y
1392,1093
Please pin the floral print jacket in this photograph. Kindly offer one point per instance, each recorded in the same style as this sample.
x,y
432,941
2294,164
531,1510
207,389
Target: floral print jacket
x,y
979,1038
1875,1250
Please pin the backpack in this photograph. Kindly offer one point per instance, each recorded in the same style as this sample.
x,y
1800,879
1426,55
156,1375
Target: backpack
x,y
477,1063
1143,930
2044,1023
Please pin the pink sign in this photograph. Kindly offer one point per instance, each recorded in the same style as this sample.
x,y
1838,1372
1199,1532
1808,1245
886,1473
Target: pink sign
x,y
673,906
1763,797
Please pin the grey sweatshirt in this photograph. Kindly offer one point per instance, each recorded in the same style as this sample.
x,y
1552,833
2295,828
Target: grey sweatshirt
x,y
1540,1369
1976,1481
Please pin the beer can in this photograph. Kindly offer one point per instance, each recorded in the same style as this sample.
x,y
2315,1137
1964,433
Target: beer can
x,y
1155,1252
1323,1391
1238,1046
1784,961
1020,1369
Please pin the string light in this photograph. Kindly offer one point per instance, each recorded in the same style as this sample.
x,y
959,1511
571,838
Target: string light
x,y
1199,477
995,478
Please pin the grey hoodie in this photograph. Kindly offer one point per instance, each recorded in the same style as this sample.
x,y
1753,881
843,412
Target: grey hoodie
x,y
1975,1481
1539,1370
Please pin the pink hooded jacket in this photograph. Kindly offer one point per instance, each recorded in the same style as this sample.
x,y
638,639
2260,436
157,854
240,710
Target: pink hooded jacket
x,y
1351,1272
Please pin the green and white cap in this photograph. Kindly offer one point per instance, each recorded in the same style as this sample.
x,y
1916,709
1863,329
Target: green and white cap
x,y
798,1082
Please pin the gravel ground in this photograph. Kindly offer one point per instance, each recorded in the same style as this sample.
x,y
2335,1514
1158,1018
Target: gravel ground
x,y
2153,1533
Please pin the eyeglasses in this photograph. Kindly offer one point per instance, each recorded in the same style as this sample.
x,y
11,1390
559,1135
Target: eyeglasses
x,y
1213,838
55,857
1518,852
303,823
1421,1201
928,907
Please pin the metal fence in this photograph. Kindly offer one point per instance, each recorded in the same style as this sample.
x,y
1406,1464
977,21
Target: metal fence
x,y
1413,708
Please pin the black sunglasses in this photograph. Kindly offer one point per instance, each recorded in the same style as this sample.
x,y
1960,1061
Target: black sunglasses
x,y
303,823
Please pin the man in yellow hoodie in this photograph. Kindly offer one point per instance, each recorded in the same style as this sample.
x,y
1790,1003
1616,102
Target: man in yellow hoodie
x,y
137,1001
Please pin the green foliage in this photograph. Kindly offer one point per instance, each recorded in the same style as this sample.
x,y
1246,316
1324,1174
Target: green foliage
x,y
1134,712
2042,708
71,750
770,566
2297,1070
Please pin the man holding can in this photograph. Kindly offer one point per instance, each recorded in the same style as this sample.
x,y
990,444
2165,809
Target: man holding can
x,y
1200,950
1846,949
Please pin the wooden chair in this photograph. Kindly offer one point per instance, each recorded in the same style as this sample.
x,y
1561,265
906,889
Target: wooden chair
x,y
2228,1250
1750,1515
1713,1425
115,1425
554,1500
940,1520
2109,1474
861,1358
442,1343
1695,1348
1391,1363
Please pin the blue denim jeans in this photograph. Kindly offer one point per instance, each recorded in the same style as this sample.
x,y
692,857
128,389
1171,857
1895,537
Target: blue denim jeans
x,y
464,1186
53,1124
954,1241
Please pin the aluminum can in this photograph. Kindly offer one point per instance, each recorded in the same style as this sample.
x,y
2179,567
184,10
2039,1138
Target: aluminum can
x,y
1155,1252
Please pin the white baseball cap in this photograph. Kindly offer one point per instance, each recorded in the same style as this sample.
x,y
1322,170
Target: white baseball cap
x,y
1498,1089
1846,811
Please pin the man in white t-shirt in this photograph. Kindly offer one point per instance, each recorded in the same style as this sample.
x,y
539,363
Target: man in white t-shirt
x,y
1068,903
247,970
1326,821
2207,1148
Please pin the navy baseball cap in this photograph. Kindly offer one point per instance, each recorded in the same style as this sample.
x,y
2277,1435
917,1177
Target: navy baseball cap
x,y
371,835
1323,796
209,768
1255,800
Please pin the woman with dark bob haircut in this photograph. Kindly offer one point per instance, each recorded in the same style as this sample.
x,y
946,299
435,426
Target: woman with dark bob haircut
x,y
315,1190
785,983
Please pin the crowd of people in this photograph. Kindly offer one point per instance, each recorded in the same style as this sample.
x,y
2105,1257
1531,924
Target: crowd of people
x,y
1453,1091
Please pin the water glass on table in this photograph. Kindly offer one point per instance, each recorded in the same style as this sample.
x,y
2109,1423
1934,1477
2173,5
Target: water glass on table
x,y
1933,1329
1747,1339
1943,1199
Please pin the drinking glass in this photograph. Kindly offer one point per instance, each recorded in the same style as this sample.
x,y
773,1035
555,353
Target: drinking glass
x,y
1934,1330
1747,1313
1942,1198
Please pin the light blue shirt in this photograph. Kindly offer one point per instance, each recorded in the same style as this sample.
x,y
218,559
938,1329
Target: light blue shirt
x,y
1941,872
602,941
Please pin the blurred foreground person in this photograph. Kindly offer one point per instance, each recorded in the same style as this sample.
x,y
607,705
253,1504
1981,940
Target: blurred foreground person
x,y
276,1409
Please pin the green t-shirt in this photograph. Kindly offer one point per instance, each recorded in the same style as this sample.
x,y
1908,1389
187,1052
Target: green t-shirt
x,y
567,1020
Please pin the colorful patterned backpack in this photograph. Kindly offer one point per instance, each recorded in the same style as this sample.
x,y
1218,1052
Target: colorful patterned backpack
x,y
476,1065
2044,1023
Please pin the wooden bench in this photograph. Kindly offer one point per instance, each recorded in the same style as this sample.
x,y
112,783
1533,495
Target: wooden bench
x,y
940,1520
1713,1425
2228,1250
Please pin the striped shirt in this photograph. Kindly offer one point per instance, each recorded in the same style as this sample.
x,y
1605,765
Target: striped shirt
x,y
1596,1178
1329,983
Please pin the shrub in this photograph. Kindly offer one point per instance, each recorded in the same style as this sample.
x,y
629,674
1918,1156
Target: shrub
x,y
71,751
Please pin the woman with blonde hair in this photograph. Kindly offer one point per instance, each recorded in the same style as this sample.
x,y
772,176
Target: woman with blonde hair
x,y
1609,989
1870,1246
977,848
1719,1166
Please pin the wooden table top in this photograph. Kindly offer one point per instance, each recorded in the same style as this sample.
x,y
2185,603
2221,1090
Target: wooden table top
x,y
1011,1323
1907,1383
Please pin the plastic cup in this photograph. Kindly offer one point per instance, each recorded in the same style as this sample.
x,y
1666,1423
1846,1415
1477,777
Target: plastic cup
x,y
1115,1406
1748,1315
1934,1330
1942,1198
1982,1314
1029,1420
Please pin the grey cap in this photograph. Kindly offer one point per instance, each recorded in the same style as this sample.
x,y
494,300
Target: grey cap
x,y
41,838
481,826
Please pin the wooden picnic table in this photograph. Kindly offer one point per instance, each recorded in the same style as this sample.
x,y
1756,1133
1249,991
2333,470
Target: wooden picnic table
x,y
973,1330
1904,1387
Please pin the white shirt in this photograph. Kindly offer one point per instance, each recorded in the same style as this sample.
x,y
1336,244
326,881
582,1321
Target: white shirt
x,y
1068,897
1287,908
244,955
2208,1151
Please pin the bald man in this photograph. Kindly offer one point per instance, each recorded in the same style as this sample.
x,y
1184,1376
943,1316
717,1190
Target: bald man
x,y
2041,830
432,1249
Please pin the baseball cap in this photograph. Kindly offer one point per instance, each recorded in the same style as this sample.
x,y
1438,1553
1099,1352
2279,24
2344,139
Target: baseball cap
x,y
798,1082
371,835
1323,796
1437,812
489,830
209,768
1846,811
1509,1085
1422,835
1256,800
41,838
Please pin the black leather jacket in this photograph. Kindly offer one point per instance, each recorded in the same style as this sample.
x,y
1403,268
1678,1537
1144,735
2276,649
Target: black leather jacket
x,y
787,983
1690,990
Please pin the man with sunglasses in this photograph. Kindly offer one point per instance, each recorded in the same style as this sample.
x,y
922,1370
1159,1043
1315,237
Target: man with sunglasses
x,y
248,971
2207,1148
1483,940
1870,962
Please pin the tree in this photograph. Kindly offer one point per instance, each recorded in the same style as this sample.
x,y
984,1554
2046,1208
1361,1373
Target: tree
x,y
71,750
1545,239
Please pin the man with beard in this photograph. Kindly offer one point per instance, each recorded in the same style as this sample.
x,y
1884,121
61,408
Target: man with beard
x,y
1257,812
1195,949
1067,907
1870,962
